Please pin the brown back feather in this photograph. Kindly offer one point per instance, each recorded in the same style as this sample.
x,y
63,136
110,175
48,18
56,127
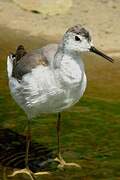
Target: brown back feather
x,y
20,52
24,62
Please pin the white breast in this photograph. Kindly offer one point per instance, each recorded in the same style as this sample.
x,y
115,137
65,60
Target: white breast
x,y
73,79
70,73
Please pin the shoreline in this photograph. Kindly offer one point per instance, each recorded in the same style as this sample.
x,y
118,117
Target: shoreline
x,y
10,39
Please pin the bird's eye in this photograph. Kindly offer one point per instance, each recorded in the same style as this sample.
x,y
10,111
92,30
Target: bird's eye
x,y
77,38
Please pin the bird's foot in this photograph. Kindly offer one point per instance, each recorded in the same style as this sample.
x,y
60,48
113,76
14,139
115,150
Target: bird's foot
x,y
63,164
28,172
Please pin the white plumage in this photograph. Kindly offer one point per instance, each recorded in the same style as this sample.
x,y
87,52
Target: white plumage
x,y
47,89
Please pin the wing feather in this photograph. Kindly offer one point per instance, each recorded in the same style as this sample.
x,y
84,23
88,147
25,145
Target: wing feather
x,y
27,63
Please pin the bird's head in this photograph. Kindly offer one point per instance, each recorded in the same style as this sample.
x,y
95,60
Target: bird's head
x,y
78,39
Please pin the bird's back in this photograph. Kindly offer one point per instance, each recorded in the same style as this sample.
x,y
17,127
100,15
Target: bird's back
x,y
24,62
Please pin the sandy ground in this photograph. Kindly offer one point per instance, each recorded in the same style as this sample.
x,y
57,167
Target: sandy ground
x,y
101,17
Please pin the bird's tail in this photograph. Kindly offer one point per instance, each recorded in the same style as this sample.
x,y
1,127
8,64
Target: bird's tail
x,y
20,52
12,59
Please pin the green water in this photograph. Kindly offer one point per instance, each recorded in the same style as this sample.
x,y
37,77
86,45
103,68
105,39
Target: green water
x,y
90,130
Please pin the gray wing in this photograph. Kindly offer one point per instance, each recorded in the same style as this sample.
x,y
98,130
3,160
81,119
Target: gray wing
x,y
27,61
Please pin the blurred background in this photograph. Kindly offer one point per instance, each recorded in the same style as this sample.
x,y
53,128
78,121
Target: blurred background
x,y
91,129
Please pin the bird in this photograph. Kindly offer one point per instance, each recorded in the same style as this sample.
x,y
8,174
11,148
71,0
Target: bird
x,y
50,79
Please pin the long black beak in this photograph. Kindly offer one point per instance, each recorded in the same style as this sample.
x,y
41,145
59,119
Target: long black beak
x,y
94,50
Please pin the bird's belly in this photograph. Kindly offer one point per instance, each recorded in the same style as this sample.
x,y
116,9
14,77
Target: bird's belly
x,y
52,101
34,99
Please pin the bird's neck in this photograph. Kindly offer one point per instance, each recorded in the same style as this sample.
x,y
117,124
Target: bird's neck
x,y
69,68
63,54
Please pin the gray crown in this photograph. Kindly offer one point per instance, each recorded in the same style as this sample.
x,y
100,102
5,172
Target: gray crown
x,y
78,29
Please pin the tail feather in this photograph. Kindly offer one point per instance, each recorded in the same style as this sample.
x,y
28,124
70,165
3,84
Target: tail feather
x,y
12,59
20,52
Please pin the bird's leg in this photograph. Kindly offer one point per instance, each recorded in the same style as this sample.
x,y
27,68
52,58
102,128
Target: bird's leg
x,y
4,173
26,170
28,141
59,156
58,134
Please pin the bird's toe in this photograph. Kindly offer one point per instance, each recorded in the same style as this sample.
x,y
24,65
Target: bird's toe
x,y
29,173
62,164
